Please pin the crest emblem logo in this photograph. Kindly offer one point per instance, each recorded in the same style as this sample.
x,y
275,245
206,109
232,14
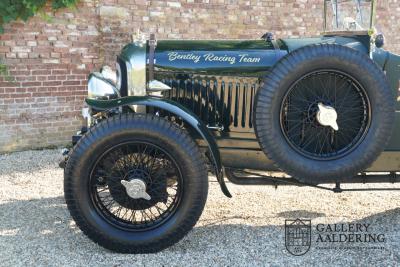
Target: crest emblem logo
x,y
297,236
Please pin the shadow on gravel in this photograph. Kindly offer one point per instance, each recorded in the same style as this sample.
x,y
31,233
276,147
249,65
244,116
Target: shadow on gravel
x,y
37,224
48,216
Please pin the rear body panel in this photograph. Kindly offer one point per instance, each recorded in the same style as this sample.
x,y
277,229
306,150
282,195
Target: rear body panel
x,y
218,80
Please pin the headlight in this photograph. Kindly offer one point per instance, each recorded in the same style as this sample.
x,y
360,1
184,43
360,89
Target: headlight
x,y
108,73
101,88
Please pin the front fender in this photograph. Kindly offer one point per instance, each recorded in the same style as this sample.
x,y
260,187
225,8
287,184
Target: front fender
x,y
177,109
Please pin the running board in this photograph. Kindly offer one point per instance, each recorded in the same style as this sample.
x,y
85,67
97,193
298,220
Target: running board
x,y
260,179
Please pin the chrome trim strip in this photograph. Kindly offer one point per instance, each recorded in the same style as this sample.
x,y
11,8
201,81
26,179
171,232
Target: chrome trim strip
x,y
157,86
134,54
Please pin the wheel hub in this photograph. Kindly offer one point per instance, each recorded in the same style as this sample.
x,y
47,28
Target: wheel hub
x,y
327,116
136,189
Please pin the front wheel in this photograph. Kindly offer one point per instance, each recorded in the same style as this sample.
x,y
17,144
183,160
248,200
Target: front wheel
x,y
136,184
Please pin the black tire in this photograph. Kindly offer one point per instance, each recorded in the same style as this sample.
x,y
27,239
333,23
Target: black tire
x,y
270,119
135,129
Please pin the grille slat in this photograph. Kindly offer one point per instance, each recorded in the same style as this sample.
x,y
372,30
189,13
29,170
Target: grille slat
x,y
217,100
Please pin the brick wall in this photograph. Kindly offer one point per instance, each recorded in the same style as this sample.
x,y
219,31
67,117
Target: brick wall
x,y
49,60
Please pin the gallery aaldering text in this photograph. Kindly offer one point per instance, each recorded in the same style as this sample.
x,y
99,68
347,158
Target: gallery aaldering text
x,y
347,233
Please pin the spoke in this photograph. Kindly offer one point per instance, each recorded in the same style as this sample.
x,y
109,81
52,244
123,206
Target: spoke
x,y
318,142
325,139
293,107
334,101
339,106
158,210
316,96
310,139
300,94
133,216
292,129
102,190
153,161
130,161
334,89
324,95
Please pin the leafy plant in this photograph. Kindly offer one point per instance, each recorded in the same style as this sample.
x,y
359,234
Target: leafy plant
x,y
3,69
11,10
5,73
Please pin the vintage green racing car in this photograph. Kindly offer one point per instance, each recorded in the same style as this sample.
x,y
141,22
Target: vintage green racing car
x,y
322,110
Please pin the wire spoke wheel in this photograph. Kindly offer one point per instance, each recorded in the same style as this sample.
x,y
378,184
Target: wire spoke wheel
x,y
143,164
336,91
136,183
324,113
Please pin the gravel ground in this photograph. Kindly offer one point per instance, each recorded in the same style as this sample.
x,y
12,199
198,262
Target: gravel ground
x,y
36,229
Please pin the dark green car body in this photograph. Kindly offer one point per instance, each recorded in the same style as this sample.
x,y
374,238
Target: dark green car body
x,y
214,83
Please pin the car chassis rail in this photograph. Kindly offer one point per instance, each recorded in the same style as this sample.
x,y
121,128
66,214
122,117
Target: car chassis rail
x,y
260,179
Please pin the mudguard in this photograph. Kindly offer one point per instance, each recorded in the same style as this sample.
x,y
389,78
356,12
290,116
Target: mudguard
x,y
177,109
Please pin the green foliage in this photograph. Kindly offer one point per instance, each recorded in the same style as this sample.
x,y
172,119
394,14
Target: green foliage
x,y
11,10
5,73
3,69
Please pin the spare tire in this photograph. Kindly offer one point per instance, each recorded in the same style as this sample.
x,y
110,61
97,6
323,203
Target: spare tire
x,y
324,113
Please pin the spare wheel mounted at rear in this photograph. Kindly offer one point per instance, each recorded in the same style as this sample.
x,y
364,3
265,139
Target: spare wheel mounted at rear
x,y
324,113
